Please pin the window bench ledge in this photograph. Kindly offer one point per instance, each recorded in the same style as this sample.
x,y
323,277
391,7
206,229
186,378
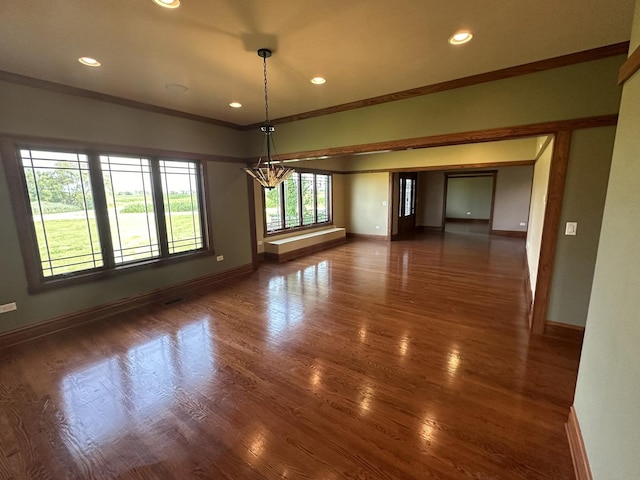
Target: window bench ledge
x,y
297,246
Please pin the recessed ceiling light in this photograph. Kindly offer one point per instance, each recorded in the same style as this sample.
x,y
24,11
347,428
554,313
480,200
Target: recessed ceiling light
x,y
461,37
318,80
235,104
167,3
175,88
89,62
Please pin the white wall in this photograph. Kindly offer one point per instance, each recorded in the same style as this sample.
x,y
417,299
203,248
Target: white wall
x,y
536,212
607,399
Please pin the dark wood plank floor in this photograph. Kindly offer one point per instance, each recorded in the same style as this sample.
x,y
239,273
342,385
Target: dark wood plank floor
x,y
409,360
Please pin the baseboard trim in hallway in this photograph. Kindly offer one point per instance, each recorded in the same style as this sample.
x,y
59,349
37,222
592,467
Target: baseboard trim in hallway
x,y
576,444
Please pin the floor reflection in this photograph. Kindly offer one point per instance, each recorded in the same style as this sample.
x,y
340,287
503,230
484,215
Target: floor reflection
x,y
366,397
453,362
107,399
94,406
316,377
404,345
428,429
150,370
289,296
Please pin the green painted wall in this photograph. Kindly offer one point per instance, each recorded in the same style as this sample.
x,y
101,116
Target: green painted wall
x,y
577,91
608,390
469,197
583,202
31,111
28,111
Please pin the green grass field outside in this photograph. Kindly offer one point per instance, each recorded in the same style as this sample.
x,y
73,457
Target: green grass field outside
x,y
72,234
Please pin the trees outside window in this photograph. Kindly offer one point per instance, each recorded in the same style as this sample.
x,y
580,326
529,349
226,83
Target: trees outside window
x,y
94,212
301,201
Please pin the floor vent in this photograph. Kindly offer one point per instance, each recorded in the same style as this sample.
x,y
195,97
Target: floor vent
x,y
173,300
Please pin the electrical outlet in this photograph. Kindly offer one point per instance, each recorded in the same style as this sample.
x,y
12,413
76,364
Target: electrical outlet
x,y
523,224
384,203
468,213
259,242
220,258
8,307
377,227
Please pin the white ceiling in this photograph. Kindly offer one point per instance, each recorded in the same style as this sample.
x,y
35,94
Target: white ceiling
x,y
365,48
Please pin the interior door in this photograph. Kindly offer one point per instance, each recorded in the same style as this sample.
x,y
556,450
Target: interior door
x,y
407,207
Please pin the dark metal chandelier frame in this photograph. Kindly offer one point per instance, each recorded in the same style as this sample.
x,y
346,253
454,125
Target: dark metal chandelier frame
x,y
266,172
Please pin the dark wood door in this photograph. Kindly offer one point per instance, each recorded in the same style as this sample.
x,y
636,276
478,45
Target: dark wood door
x,y
407,207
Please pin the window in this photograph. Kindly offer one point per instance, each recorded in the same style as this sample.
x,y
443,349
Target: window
x,y
61,201
96,212
301,201
407,195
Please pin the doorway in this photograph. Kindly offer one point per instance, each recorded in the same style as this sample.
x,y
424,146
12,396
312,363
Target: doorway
x,y
468,202
407,205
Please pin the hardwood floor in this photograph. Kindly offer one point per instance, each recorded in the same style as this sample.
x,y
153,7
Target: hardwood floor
x,y
409,360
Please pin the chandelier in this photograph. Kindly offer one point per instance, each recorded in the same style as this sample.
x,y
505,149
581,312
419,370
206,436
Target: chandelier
x,y
268,174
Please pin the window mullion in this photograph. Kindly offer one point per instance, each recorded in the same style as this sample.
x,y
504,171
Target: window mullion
x,y
101,210
300,207
315,198
329,198
283,222
158,206
203,206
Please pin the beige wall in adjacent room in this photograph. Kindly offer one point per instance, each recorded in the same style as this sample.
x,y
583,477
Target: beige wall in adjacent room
x,y
395,202
607,397
364,195
430,199
537,211
338,200
512,199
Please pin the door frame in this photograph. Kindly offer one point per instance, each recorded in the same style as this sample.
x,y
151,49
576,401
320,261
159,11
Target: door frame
x,y
476,173
401,202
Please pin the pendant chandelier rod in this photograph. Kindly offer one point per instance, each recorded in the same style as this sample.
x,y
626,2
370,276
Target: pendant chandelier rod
x,y
271,175
265,53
